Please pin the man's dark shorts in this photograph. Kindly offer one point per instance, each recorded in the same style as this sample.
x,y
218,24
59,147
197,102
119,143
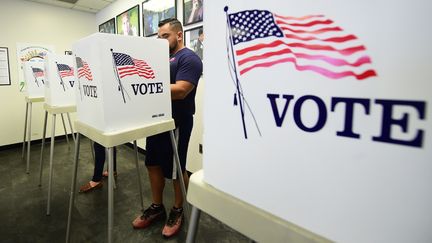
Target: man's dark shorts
x,y
159,148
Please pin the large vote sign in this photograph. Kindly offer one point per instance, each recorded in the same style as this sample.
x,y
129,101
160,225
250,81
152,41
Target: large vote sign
x,y
60,80
34,76
319,112
123,81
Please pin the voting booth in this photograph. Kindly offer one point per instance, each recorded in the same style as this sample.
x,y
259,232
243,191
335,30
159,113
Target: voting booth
x,y
123,82
123,95
34,76
319,113
59,100
59,80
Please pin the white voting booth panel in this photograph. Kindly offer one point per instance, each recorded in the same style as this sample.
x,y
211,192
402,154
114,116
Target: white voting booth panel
x,y
122,77
59,80
324,118
34,76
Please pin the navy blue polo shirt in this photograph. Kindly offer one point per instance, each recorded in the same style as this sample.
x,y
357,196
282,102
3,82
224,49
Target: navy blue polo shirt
x,y
185,65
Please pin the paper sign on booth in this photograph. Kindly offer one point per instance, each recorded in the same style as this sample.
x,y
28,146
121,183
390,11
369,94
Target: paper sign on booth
x,y
60,80
34,75
319,112
123,81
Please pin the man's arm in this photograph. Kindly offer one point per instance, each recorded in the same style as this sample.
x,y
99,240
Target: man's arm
x,y
181,89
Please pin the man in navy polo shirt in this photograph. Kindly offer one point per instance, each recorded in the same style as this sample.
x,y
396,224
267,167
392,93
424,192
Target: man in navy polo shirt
x,y
186,69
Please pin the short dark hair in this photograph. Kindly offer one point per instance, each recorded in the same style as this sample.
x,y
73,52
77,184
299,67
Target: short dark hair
x,y
200,31
173,22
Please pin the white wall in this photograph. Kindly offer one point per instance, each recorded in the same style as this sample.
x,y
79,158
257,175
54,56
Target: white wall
x,y
29,22
194,162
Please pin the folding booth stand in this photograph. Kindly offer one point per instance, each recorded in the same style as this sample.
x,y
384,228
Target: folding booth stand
x,y
53,110
110,140
247,219
27,128
123,95
59,99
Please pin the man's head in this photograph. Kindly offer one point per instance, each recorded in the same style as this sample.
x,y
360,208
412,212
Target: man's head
x,y
125,24
172,30
201,35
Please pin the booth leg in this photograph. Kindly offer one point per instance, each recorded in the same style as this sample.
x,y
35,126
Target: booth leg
x,y
29,138
65,130
51,164
92,151
107,156
139,175
110,193
25,130
42,148
180,173
193,225
73,187
70,125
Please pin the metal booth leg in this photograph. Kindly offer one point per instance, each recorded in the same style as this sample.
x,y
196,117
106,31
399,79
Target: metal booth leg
x,y
110,151
25,130
92,151
193,225
107,156
73,187
179,170
139,175
64,127
70,125
29,138
51,163
42,148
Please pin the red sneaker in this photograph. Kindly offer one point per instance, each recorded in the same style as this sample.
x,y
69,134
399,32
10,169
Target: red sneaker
x,y
150,215
174,222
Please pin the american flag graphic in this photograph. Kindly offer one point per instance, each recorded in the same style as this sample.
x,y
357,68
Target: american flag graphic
x,y
37,72
311,43
126,66
83,69
65,70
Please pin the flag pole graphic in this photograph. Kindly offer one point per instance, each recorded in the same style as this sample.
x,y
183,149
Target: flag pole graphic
x,y
61,79
34,75
239,95
117,76
79,82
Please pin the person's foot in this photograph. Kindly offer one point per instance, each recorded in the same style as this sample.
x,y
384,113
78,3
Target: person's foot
x,y
105,174
174,222
90,186
151,214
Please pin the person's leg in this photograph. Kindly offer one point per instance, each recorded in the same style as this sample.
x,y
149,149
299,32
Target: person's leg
x,y
99,162
178,195
157,183
154,155
105,173
185,130
175,217
96,181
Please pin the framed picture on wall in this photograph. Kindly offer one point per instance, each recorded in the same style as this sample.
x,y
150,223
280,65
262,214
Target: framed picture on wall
x,y
154,11
192,11
128,22
194,40
108,27
4,66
